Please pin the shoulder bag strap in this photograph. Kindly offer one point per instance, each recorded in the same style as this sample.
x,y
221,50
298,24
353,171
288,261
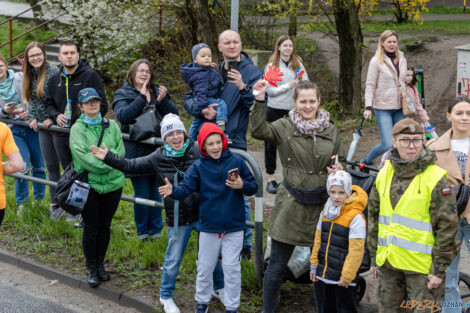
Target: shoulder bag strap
x,y
104,125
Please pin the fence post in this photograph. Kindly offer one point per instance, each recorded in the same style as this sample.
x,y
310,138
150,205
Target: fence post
x,y
258,211
10,30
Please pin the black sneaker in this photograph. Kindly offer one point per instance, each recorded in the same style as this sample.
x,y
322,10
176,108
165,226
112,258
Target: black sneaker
x,y
272,186
246,253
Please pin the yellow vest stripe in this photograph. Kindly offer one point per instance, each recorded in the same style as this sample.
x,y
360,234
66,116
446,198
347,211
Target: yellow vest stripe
x,y
384,220
410,245
411,223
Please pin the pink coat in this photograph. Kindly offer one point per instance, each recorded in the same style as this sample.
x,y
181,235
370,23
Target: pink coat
x,y
381,87
413,93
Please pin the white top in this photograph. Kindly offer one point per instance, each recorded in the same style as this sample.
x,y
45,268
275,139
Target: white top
x,y
357,229
461,147
280,97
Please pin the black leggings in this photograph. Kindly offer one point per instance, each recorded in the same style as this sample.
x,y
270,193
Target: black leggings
x,y
270,148
2,214
274,276
97,215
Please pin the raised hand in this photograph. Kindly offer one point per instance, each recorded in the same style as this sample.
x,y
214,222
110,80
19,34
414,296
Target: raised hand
x,y
98,152
273,74
259,89
166,189
162,93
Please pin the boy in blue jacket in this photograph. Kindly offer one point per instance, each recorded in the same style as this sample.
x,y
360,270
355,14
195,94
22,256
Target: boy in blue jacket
x,y
221,213
204,83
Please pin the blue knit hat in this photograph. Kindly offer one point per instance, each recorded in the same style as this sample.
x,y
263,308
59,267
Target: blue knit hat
x,y
198,47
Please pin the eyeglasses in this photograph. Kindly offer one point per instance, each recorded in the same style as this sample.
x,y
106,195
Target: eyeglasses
x,y
93,101
34,56
405,142
143,71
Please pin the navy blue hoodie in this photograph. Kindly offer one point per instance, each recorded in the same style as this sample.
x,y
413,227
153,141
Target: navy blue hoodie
x,y
221,208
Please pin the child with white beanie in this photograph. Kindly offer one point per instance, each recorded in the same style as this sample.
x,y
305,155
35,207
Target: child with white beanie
x,y
339,245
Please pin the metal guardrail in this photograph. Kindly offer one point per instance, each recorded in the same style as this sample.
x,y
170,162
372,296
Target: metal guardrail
x,y
142,201
257,225
10,32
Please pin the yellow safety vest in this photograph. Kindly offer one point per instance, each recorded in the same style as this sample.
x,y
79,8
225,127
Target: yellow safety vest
x,y
405,233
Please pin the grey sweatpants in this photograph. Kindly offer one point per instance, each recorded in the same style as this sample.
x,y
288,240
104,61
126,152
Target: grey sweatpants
x,y
210,246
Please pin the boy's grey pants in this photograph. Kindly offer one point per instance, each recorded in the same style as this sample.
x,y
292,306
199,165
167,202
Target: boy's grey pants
x,y
210,245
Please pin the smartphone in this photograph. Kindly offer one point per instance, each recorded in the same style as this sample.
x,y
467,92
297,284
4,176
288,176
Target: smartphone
x,y
233,174
232,65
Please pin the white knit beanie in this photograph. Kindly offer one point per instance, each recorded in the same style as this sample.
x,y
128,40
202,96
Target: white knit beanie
x,y
170,123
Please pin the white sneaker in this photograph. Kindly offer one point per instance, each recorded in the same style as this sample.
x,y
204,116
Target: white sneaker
x,y
169,306
219,294
20,210
73,218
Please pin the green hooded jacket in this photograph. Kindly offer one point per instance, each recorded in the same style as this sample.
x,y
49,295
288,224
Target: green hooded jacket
x,y
101,177
304,160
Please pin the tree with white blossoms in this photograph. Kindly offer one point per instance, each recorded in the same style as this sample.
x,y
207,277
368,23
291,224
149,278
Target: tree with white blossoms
x,y
109,32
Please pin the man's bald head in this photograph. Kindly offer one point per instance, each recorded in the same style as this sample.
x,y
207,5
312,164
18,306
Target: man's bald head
x,y
230,44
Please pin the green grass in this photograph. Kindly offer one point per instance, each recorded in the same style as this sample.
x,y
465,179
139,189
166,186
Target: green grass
x,y
432,27
41,34
413,39
435,10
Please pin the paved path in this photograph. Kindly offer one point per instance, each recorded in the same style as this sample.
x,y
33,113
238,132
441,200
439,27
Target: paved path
x,y
14,8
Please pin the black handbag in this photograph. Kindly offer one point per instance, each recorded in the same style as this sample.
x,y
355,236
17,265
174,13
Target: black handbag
x,y
146,125
462,192
66,180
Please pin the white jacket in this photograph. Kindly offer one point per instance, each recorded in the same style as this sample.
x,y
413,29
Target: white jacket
x,y
281,97
381,86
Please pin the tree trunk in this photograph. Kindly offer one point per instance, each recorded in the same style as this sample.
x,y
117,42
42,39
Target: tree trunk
x,y
207,28
192,19
292,25
36,11
348,27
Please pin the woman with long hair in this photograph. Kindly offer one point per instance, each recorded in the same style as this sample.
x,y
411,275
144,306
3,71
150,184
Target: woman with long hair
x,y
385,85
37,72
452,150
14,106
280,98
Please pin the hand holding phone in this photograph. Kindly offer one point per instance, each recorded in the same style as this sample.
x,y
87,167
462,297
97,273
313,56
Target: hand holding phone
x,y
233,175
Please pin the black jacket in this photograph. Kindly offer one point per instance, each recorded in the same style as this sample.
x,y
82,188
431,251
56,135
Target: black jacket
x,y
83,77
164,166
128,104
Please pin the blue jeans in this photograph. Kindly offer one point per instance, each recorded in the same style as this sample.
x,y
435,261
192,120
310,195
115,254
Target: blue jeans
x,y
173,256
248,231
385,120
452,292
27,141
148,220
222,113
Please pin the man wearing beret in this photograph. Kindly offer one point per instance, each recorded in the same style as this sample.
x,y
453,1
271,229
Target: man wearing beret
x,y
412,224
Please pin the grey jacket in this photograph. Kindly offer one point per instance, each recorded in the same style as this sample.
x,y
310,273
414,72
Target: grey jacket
x,y
280,97
18,84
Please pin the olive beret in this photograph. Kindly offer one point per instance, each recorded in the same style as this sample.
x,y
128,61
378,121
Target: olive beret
x,y
407,126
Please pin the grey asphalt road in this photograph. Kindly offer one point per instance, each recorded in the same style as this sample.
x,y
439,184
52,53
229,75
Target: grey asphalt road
x,y
13,300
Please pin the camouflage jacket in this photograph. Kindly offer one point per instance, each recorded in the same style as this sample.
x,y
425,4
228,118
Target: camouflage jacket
x,y
442,208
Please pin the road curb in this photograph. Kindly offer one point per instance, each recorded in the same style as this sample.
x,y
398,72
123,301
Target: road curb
x,y
108,293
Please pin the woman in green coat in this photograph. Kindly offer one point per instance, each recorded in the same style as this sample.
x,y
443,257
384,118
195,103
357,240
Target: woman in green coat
x,y
309,147
106,183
